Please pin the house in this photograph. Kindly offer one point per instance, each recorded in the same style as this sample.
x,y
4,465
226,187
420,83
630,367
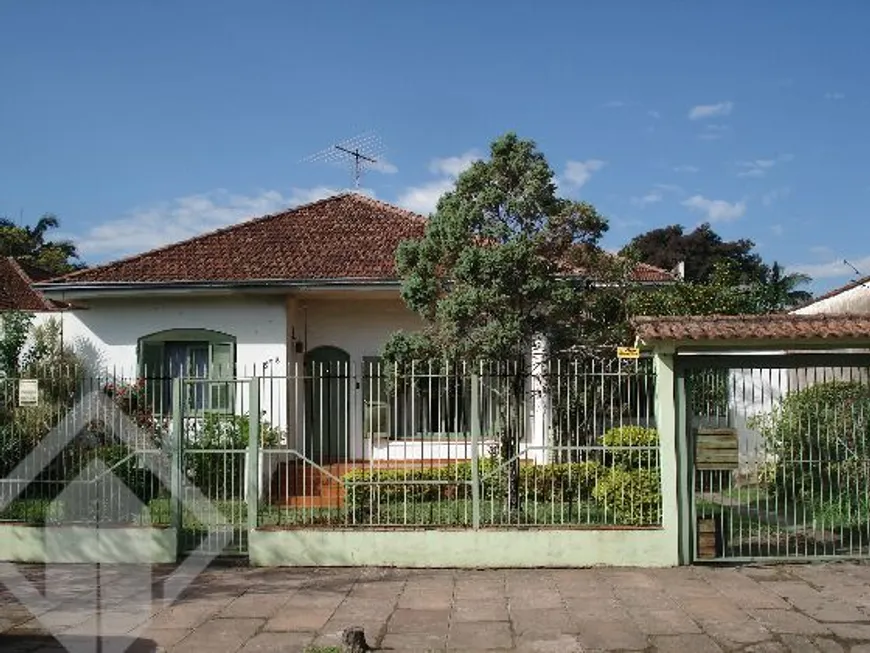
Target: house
x,y
16,287
757,391
305,299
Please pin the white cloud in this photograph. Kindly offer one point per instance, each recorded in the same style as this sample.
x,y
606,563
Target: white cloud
x,y
716,210
836,268
835,95
686,168
453,166
702,111
653,114
777,229
145,228
775,195
385,167
614,104
424,198
652,197
577,173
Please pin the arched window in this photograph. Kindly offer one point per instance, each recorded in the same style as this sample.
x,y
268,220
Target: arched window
x,y
205,359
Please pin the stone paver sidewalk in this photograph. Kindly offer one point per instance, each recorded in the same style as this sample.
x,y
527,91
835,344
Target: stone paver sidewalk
x,y
804,608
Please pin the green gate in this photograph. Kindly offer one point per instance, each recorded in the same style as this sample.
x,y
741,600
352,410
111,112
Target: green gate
x,y
210,466
778,455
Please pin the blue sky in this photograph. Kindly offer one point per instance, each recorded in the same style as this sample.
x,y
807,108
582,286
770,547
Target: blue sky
x,y
140,123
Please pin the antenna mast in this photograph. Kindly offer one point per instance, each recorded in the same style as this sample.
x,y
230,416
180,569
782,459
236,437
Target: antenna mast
x,y
362,151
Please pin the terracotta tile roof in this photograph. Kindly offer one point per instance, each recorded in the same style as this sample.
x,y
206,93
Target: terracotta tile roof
x,y
753,327
16,292
348,237
650,273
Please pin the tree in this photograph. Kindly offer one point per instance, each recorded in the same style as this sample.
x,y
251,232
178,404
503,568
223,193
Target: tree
x,y
499,267
700,250
779,291
722,294
29,245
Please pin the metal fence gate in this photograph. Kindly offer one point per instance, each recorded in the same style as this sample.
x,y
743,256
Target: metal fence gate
x,y
778,455
210,486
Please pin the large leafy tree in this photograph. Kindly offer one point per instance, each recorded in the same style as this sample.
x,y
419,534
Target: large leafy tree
x,y
502,262
725,294
30,244
722,294
700,250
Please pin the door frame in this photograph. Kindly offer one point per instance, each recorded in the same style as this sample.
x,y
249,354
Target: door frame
x,y
338,446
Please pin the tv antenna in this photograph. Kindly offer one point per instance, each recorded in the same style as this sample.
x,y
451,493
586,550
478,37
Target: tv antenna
x,y
859,278
362,152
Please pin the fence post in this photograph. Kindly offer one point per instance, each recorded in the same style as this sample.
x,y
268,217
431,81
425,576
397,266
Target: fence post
x,y
253,452
669,436
176,442
475,447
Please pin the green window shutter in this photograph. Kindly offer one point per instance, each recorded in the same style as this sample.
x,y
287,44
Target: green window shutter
x,y
151,368
222,368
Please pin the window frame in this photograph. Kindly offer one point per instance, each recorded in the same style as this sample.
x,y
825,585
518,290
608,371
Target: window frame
x,y
192,339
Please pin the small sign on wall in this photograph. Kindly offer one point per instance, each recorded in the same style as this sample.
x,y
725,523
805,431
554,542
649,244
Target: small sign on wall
x,y
628,352
28,392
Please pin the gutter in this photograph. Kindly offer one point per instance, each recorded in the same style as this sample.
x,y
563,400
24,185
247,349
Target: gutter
x,y
183,287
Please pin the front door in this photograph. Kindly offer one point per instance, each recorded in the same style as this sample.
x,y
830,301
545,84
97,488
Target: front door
x,y
327,404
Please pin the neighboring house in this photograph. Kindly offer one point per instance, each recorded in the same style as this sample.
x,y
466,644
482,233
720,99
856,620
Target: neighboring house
x,y
16,290
757,391
306,297
853,298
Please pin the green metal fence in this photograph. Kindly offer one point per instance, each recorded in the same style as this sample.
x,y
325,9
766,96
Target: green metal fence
x,y
567,444
779,455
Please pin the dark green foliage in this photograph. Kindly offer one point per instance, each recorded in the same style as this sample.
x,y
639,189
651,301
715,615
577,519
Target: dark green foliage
x,y
701,250
820,438
29,246
630,497
493,270
14,329
504,260
560,482
721,294
632,447
629,491
214,453
708,392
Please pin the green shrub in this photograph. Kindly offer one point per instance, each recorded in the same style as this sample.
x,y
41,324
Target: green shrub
x,y
820,441
566,482
215,448
619,441
630,497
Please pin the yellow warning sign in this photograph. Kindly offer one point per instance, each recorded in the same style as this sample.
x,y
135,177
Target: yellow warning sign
x,y
627,352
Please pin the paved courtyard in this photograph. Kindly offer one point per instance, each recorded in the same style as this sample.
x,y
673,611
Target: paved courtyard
x,y
804,608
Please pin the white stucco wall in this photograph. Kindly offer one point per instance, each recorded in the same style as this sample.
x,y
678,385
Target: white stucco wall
x,y
108,331
854,300
106,334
